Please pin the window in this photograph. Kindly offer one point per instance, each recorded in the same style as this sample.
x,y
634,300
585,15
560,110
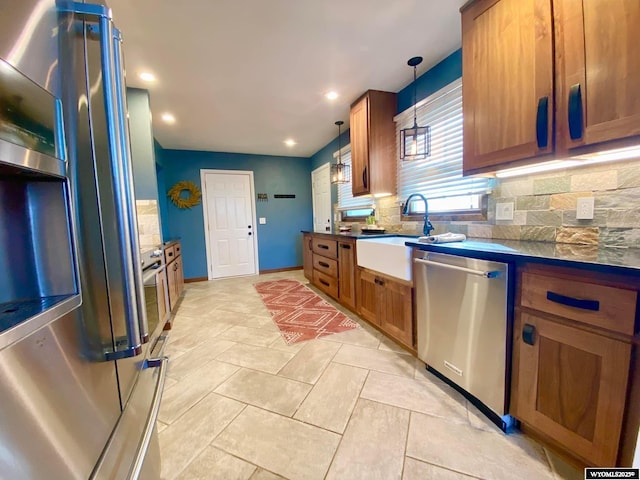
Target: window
x,y
439,177
351,208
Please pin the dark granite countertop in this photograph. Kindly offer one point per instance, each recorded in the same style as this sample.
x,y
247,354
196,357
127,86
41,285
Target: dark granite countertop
x,y
171,241
591,257
357,235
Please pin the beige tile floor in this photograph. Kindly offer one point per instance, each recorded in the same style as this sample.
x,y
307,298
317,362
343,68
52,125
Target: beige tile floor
x,y
241,404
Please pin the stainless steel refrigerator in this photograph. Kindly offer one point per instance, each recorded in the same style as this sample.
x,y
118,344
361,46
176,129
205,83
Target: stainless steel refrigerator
x,y
80,373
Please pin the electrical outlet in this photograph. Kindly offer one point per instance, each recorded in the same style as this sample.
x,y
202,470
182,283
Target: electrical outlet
x,y
504,211
584,208
262,220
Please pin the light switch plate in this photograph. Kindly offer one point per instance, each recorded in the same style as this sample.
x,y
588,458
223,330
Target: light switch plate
x,y
262,220
584,208
504,211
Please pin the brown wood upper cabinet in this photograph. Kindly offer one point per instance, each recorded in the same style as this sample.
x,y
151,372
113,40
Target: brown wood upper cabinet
x,y
598,71
373,143
509,64
507,82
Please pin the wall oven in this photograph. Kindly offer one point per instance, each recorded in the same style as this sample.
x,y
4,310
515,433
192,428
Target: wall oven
x,y
156,295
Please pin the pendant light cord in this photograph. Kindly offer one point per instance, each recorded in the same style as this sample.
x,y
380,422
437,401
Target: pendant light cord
x,y
339,124
415,114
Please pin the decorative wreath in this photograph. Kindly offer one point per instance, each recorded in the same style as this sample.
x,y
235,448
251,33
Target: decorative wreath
x,y
175,194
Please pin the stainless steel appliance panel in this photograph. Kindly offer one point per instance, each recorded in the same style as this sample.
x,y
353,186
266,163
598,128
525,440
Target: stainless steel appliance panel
x,y
462,323
79,396
27,28
133,451
35,243
36,252
35,237
58,408
109,313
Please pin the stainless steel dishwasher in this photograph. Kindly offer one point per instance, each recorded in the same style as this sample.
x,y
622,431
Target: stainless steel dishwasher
x,y
462,311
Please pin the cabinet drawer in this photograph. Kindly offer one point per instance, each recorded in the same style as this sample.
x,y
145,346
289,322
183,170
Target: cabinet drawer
x,y
169,253
597,305
327,284
327,248
176,249
325,265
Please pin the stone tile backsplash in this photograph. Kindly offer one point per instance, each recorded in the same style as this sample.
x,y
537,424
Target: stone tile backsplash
x,y
148,223
545,208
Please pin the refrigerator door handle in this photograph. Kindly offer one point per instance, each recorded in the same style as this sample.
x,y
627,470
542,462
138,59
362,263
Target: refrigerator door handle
x,y
129,256
119,174
162,363
127,166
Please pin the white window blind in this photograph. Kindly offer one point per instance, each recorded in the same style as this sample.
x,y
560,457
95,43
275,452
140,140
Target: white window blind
x,y
346,200
439,175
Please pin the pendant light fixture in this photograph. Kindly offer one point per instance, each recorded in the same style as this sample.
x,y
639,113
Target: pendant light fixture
x,y
415,142
340,172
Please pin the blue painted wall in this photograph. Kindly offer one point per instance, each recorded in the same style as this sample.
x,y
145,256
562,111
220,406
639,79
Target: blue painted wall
x,y
429,82
432,80
279,241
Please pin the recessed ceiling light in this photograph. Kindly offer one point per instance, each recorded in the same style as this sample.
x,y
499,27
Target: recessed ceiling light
x,y
168,118
289,142
147,77
331,95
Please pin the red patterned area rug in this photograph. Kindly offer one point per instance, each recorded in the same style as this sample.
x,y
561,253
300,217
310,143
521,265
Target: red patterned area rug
x,y
300,313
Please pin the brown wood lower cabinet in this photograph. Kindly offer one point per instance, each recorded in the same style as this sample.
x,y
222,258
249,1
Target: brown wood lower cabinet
x,y
367,292
570,378
347,273
388,303
307,256
175,277
572,386
329,262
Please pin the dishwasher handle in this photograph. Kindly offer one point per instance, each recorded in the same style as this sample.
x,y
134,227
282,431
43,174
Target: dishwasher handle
x,y
470,271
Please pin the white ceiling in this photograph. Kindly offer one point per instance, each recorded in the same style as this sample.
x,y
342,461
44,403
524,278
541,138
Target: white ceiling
x,y
244,75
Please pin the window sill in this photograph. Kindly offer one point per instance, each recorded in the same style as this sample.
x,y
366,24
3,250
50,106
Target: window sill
x,y
471,216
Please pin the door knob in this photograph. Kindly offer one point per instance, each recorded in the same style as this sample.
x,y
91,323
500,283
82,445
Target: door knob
x,y
249,233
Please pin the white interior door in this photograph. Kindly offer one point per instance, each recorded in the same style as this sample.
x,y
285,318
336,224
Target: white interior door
x,y
229,212
321,191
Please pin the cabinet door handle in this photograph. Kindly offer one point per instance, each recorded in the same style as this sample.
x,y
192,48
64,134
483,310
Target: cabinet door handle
x,y
323,264
542,122
528,334
575,112
326,284
309,244
365,179
324,247
345,245
593,305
